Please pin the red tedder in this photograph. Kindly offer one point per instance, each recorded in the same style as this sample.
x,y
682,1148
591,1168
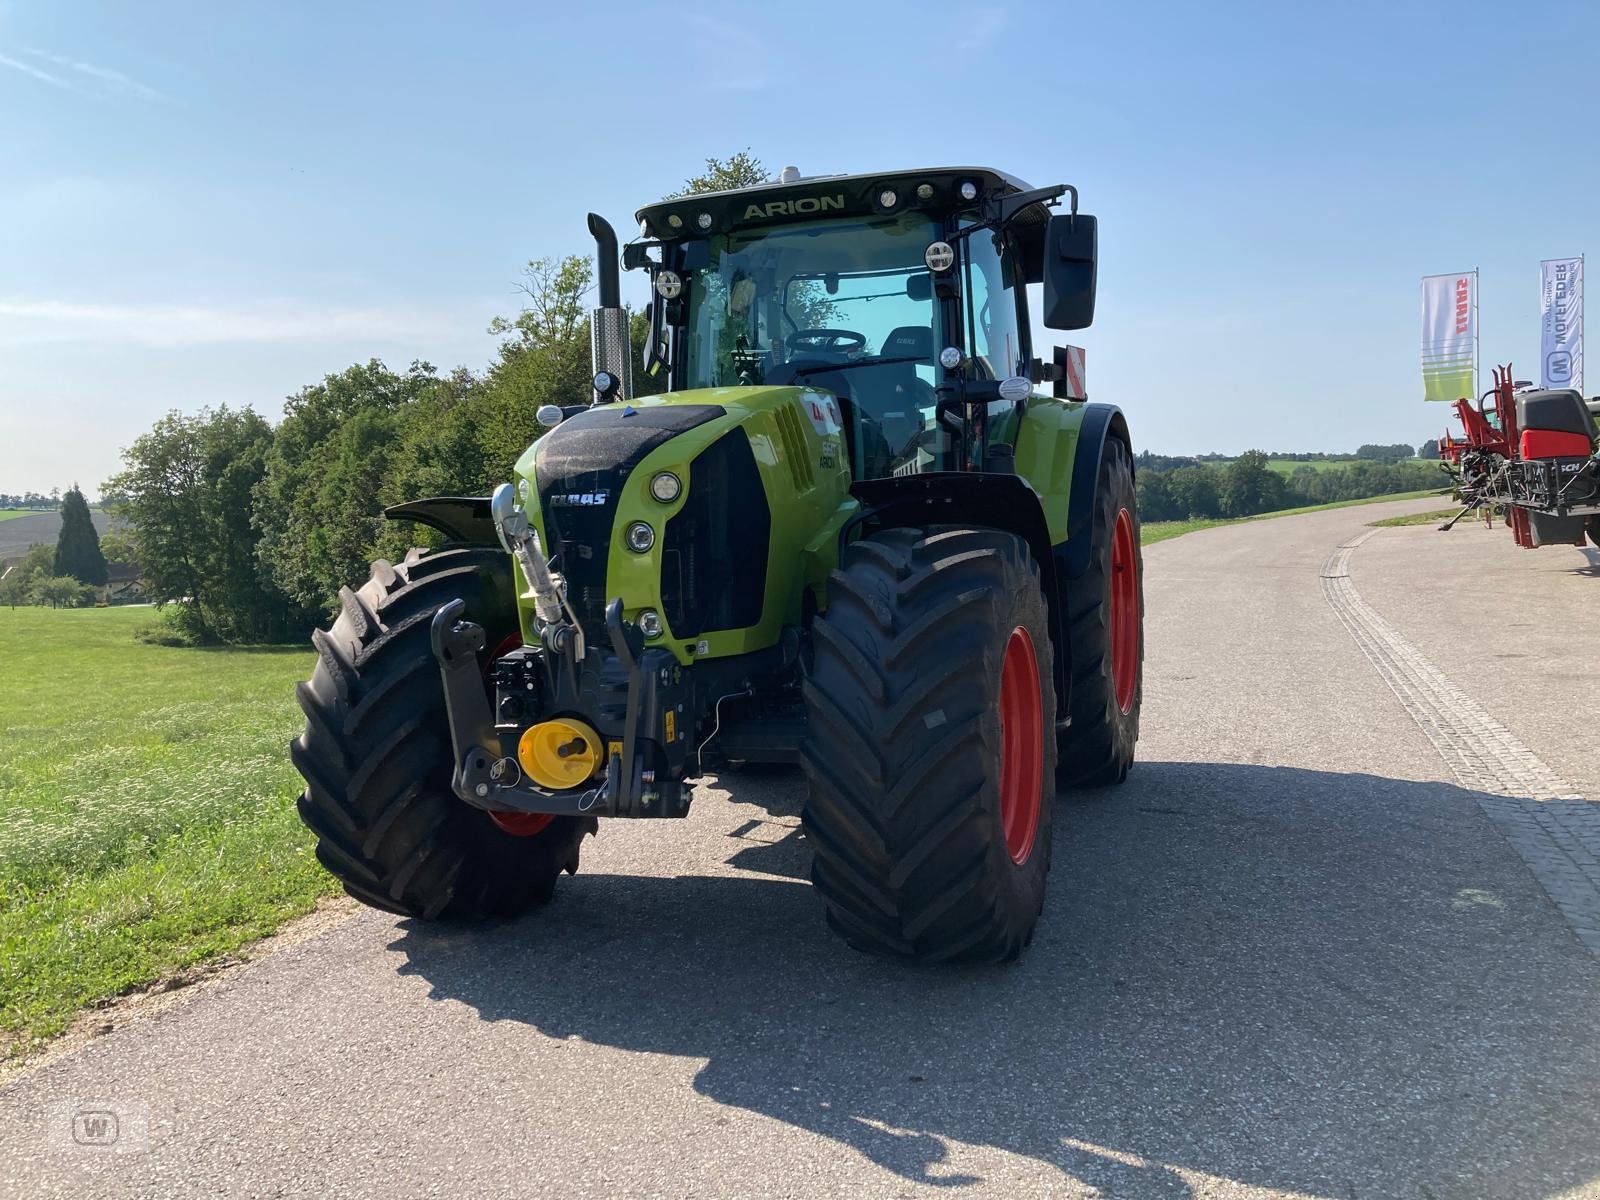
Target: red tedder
x,y
1532,454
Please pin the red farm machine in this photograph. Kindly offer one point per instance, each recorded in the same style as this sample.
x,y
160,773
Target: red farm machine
x,y
1531,453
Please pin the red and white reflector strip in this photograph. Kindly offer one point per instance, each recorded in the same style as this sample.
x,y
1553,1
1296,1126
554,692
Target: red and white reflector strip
x,y
1070,360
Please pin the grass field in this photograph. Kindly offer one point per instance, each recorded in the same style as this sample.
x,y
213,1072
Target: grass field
x,y
146,809
1160,531
8,514
1288,466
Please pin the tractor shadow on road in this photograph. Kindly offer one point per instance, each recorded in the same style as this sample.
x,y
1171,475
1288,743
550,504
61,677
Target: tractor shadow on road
x,y
1321,982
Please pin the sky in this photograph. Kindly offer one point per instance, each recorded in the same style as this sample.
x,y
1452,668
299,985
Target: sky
x,y
206,204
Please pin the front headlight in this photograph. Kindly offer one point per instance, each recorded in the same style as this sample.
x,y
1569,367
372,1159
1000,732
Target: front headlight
x,y
640,537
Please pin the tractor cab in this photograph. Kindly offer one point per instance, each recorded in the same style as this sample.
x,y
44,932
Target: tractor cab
x,y
890,293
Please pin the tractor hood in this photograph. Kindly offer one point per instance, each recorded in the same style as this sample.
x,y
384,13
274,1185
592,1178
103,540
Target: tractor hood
x,y
761,476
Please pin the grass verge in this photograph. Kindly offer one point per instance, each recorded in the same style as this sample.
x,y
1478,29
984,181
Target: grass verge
x,y
146,812
10,514
1438,516
1160,531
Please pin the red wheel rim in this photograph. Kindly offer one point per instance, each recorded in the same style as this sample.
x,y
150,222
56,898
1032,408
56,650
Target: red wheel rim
x,y
521,824
1021,745
517,824
1124,612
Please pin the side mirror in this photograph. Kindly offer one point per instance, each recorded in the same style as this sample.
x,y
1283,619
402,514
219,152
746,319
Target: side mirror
x,y
1071,250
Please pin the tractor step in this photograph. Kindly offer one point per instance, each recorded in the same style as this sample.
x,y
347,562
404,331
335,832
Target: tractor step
x,y
763,738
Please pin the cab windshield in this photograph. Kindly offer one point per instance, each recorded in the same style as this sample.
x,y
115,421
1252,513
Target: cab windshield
x,y
842,305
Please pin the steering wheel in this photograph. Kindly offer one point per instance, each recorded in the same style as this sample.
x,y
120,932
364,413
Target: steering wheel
x,y
826,341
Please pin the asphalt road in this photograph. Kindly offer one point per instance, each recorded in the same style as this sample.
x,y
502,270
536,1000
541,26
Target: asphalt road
x,y
1291,956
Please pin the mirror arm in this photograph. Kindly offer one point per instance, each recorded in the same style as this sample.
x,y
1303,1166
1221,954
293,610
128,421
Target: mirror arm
x,y
1040,371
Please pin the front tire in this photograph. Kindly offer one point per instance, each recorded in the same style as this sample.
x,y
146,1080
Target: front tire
x,y
929,748
377,758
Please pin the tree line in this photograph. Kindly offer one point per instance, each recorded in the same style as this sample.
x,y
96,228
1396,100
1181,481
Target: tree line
x,y
1246,486
31,499
247,530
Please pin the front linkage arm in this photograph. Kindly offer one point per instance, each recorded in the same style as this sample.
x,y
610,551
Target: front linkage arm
x,y
487,777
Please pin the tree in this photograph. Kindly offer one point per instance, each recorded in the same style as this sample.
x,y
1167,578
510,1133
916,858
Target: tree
x,y
1429,449
118,547
1194,492
325,474
1390,453
78,545
721,174
1155,496
59,591
14,587
1249,486
547,362
186,492
17,586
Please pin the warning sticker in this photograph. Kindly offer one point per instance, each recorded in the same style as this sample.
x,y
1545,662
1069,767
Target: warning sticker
x,y
823,410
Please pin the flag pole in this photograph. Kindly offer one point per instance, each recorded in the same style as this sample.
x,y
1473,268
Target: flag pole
x,y
1477,341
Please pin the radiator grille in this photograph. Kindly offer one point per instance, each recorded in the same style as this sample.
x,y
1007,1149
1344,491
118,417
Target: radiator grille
x,y
714,556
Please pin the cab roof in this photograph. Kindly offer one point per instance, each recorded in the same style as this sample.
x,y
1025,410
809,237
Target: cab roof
x,y
820,195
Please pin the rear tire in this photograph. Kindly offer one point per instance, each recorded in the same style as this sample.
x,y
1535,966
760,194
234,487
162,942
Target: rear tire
x,y
929,817
377,759
1105,632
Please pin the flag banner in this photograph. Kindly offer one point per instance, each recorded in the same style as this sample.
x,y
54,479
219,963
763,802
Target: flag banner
x,y
1561,323
1449,335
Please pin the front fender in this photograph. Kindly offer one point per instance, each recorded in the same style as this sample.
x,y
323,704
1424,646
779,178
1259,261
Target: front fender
x,y
462,519
1100,422
994,499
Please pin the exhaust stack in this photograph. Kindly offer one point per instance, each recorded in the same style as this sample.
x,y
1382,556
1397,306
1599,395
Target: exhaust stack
x,y
608,325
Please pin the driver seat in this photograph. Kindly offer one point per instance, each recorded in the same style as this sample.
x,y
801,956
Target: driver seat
x,y
888,393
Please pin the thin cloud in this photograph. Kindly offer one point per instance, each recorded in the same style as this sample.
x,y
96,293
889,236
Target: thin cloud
x,y
35,72
33,322
738,57
982,26
107,79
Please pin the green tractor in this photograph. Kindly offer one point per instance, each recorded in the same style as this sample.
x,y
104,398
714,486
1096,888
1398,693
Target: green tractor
x,y
850,533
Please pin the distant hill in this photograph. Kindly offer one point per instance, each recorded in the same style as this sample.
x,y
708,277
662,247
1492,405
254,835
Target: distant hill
x,y
18,533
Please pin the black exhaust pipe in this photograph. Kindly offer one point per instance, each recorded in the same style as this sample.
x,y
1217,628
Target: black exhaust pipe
x,y
608,273
608,326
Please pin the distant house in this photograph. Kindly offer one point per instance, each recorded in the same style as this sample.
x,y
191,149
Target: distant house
x,y
124,583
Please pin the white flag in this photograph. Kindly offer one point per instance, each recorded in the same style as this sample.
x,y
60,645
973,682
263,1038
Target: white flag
x,y
1561,323
1449,335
